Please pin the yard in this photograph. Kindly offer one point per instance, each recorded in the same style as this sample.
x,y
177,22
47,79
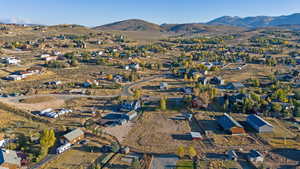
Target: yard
x,y
184,164
75,158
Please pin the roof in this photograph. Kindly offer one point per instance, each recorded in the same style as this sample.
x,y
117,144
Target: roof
x,y
10,157
237,85
258,121
227,122
255,153
74,134
196,135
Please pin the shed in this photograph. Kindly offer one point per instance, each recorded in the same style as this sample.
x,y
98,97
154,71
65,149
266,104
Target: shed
x,y
259,124
196,135
230,125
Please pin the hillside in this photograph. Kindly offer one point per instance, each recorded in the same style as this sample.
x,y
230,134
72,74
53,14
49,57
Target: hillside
x,y
131,25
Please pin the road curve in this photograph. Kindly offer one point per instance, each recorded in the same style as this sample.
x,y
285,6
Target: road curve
x,y
126,91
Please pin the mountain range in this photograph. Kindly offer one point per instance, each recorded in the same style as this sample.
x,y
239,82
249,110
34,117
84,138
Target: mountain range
x,y
257,21
285,21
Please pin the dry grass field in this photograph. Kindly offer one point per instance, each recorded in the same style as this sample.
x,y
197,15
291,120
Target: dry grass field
x,y
156,132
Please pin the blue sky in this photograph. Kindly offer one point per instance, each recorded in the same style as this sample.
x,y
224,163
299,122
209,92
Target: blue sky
x,y
98,12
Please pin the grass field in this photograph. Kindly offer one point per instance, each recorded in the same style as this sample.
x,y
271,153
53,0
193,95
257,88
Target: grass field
x,y
184,164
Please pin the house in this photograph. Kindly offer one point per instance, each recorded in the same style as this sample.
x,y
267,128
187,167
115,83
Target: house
x,y
118,78
255,156
231,155
199,103
163,86
259,124
131,115
187,90
11,61
14,77
134,66
43,56
50,58
230,125
203,80
235,86
130,105
72,137
196,135
217,81
9,159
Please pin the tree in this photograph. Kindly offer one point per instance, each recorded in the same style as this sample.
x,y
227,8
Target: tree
x,y
163,104
115,147
297,112
137,94
109,77
47,138
180,151
192,152
136,164
256,82
276,107
297,94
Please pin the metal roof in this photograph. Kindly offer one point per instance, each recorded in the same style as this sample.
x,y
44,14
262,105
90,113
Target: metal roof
x,y
227,122
258,121
74,134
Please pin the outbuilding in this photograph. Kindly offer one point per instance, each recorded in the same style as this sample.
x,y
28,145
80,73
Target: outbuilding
x,y
73,136
196,136
230,125
259,124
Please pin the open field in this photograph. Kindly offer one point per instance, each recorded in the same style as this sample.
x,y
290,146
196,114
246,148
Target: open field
x,y
156,132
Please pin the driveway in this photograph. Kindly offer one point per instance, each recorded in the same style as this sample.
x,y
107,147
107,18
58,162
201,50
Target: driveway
x,y
164,162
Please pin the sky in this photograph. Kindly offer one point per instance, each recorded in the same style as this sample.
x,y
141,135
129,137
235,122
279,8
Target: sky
x,y
99,12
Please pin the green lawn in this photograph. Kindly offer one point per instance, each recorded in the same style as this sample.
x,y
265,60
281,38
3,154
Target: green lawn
x,y
184,164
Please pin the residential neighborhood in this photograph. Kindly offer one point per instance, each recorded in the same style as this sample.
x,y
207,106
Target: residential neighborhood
x,y
132,94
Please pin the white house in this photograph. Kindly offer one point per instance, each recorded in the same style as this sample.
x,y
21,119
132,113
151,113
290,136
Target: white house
x,y
12,61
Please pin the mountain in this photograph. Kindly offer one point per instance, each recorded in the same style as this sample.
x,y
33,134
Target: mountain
x,y
257,21
131,25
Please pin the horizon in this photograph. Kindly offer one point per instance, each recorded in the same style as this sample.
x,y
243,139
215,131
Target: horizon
x,y
95,13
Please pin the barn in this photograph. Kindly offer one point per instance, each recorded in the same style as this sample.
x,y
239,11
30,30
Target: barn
x,y
259,124
230,125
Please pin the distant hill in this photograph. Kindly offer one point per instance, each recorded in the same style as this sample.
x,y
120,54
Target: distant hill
x,y
131,25
140,25
257,21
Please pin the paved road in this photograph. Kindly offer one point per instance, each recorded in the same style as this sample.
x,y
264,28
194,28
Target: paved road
x,y
126,91
164,162
49,157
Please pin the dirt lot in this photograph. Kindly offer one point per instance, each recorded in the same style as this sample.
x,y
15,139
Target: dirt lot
x,y
120,131
157,133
